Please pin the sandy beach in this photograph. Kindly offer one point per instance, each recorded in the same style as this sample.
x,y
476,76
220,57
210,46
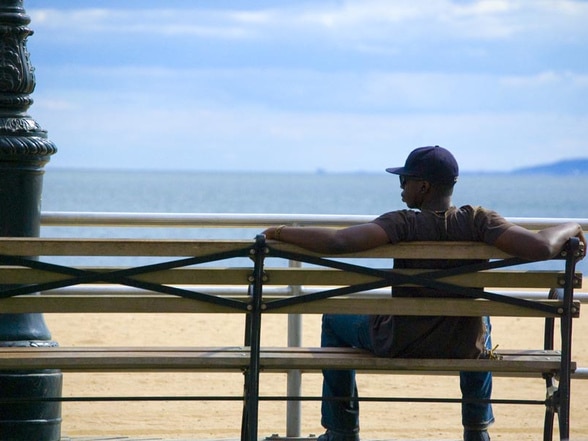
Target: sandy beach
x,y
218,420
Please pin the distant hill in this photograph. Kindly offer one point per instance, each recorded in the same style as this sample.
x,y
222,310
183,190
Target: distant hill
x,y
565,167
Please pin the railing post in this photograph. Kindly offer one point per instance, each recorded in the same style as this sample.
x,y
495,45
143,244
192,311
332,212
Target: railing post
x,y
24,150
294,377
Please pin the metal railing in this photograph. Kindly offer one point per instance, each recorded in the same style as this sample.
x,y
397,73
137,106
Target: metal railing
x,y
242,220
258,222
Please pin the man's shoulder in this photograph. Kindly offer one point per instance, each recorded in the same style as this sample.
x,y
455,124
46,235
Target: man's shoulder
x,y
473,210
403,213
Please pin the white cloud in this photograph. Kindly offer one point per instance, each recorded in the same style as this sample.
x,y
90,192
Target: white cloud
x,y
352,20
298,90
178,22
548,78
56,104
251,138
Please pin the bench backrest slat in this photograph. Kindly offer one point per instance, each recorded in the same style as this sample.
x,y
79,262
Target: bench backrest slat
x,y
296,276
156,303
25,246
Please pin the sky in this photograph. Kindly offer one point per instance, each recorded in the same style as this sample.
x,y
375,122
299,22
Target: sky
x,y
307,85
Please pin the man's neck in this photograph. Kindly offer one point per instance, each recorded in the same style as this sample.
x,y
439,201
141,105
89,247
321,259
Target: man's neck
x,y
437,204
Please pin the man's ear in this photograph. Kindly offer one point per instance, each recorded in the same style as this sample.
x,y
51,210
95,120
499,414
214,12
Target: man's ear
x,y
425,186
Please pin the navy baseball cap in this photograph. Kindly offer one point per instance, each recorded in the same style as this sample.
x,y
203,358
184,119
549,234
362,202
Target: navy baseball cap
x,y
433,164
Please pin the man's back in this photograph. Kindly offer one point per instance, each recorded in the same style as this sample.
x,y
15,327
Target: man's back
x,y
426,336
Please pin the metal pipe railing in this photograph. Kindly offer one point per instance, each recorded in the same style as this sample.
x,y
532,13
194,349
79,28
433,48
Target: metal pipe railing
x,y
242,220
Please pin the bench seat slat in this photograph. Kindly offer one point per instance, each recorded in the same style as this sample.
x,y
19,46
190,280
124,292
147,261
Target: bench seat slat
x,y
522,361
136,359
131,359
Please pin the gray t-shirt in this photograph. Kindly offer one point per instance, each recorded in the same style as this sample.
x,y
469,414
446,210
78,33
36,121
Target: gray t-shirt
x,y
433,336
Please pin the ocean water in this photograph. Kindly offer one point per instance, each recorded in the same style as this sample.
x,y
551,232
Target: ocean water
x,y
359,193
295,193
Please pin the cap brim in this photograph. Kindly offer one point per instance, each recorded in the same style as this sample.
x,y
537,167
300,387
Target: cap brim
x,y
396,170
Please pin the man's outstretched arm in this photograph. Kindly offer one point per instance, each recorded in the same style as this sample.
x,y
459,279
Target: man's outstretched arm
x,y
540,245
331,240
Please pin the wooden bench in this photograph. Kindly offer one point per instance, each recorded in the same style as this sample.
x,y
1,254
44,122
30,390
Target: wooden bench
x,y
179,283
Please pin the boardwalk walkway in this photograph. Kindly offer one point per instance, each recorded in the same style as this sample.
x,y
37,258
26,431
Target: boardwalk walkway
x,y
126,438
269,438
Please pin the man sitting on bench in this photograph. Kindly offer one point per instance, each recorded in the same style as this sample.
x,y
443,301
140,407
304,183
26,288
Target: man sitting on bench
x,y
427,180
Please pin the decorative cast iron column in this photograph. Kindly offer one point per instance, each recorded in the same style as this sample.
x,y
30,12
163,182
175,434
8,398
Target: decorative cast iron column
x,y
24,150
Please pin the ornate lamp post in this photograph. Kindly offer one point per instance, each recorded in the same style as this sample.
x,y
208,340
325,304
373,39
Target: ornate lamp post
x,y
24,150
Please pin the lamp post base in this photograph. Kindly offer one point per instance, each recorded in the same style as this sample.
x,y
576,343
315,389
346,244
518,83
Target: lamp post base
x,y
30,420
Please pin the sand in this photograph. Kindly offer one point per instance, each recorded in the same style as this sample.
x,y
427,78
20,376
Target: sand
x,y
218,420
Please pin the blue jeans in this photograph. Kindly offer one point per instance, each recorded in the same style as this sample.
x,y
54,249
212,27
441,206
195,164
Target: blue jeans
x,y
354,331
